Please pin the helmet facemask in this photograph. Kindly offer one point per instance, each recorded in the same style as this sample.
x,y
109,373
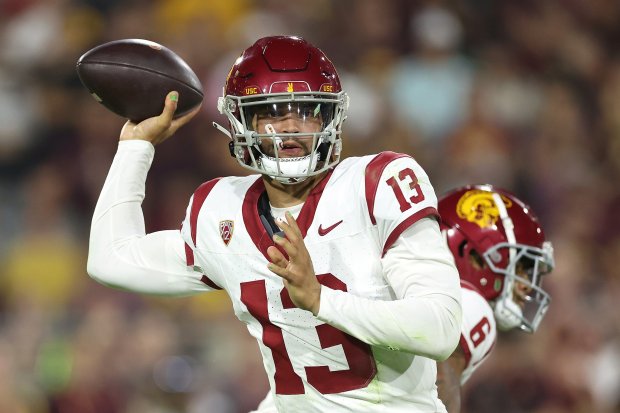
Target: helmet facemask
x,y
287,136
522,275
522,302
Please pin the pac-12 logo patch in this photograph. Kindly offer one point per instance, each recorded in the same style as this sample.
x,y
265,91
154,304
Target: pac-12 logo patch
x,y
226,230
477,206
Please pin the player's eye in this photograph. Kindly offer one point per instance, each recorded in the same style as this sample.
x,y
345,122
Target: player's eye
x,y
310,110
305,110
267,112
525,267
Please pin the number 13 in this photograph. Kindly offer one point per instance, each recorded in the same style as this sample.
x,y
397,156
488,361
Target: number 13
x,y
359,357
414,185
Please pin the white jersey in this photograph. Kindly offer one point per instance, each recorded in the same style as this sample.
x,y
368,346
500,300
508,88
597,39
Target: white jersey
x,y
478,331
370,230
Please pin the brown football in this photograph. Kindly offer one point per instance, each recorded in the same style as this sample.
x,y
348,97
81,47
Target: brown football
x,y
131,77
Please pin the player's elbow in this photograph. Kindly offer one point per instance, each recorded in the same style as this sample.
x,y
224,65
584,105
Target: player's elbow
x,y
102,268
448,331
445,346
96,269
446,350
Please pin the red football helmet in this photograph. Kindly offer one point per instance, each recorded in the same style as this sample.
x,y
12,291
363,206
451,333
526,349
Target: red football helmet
x,y
276,77
499,248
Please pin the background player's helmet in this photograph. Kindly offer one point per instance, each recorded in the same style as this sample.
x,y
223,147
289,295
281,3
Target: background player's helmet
x,y
283,73
484,223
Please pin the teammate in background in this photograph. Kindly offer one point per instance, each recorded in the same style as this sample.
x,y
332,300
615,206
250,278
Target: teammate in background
x,y
339,269
500,250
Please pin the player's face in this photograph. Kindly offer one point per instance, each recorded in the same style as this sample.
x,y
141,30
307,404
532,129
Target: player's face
x,y
287,118
521,290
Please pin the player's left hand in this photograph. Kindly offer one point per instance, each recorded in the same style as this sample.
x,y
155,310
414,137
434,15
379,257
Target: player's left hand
x,y
298,271
159,128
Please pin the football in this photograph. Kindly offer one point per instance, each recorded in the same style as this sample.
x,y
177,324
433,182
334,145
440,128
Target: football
x,y
131,77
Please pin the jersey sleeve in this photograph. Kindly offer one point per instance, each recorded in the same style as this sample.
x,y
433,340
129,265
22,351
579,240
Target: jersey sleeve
x,y
478,331
398,193
121,254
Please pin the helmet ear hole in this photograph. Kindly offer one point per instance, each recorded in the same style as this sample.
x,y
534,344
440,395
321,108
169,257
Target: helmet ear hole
x,y
461,248
476,260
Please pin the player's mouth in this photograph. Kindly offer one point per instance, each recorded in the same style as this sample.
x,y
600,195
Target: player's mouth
x,y
520,298
291,149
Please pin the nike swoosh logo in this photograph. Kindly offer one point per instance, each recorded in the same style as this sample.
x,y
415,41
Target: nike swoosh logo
x,y
325,231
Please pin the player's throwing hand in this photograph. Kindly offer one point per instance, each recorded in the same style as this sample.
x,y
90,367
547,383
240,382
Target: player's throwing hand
x,y
159,128
297,271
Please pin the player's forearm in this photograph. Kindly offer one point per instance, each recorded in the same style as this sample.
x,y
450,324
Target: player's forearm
x,y
425,318
449,386
120,253
428,326
125,183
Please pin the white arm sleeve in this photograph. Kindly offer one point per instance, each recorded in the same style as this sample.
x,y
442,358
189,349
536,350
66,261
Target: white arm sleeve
x,y
425,318
120,253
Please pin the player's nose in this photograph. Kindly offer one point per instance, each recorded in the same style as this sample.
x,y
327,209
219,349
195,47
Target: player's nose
x,y
522,291
290,124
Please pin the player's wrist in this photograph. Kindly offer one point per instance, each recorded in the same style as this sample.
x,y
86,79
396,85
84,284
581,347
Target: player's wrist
x,y
136,144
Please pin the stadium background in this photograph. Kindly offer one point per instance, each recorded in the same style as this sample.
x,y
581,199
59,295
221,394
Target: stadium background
x,y
524,95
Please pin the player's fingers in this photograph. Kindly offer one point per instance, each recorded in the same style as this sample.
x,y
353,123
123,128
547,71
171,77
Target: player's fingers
x,y
177,123
278,270
289,231
170,106
293,223
286,244
278,262
276,256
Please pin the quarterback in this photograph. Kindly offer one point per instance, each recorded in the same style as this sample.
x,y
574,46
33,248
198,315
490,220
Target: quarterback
x,y
337,268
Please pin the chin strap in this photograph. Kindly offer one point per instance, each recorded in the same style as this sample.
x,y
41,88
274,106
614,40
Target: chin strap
x,y
506,222
222,129
508,314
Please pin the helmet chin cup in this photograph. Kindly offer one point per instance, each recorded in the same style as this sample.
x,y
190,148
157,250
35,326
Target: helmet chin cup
x,y
508,314
289,170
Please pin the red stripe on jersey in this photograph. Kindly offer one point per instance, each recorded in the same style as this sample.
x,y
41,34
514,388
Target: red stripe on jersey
x,y
200,195
486,354
466,350
206,280
189,255
306,215
252,221
373,173
255,227
199,198
423,213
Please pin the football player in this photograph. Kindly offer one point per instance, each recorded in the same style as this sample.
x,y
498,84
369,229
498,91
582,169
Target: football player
x,y
338,268
502,255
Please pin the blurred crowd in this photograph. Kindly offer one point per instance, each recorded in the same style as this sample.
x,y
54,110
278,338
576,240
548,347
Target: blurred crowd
x,y
524,95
